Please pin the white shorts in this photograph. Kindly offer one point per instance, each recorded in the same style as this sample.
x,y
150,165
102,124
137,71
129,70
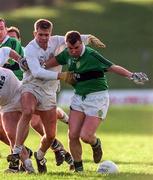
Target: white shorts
x,y
95,104
14,104
45,101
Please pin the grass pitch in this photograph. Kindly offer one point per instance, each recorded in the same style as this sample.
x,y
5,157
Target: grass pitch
x,y
127,137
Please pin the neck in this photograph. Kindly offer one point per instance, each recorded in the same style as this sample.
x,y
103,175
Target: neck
x,y
44,46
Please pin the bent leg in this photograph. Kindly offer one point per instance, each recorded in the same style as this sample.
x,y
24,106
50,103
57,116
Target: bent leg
x,y
10,120
28,102
3,136
49,123
89,128
88,135
75,124
36,124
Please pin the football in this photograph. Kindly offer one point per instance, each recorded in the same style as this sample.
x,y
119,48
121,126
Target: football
x,y
108,167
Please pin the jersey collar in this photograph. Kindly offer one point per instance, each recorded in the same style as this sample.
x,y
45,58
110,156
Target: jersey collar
x,y
83,50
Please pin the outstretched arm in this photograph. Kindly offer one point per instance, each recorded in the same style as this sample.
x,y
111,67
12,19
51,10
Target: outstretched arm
x,y
136,77
120,70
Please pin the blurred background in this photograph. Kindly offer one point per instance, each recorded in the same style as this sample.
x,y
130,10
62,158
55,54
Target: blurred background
x,y
125,26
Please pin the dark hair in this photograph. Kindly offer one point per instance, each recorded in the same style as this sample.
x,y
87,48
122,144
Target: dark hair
x,y
72,37
14,29
43,24
1,19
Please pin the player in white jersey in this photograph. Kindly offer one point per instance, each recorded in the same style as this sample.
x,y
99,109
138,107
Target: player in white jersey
x,y
61,153
10,107
6,80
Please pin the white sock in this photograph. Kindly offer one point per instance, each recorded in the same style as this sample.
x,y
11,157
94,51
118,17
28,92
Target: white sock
x,y
40,154
17,149
65,117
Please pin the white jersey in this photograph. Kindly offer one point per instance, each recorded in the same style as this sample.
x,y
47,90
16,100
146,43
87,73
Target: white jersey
x,y
34,55
9,86
4,55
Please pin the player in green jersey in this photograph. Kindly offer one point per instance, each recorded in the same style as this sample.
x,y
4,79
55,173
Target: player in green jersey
x,y
91,100
14,44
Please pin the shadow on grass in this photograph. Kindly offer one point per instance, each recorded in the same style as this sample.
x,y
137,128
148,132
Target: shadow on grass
x,y
95,175
123,162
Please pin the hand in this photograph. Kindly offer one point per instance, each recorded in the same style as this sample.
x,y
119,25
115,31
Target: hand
x,y
139,77
68,77
95,41
23,64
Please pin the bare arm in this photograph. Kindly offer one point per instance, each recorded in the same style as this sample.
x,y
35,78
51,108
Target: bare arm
x,y
51,63
6,53
120,70
14,55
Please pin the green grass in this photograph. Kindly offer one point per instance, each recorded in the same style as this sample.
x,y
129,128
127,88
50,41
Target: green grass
x,y
127,136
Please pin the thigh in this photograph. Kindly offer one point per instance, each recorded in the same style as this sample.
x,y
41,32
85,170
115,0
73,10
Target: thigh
x,y
3,135
1,128
48,119
76,119
28,102
90,125
35,120
10,121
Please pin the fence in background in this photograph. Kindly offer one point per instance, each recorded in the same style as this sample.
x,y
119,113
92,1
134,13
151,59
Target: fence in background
x,y
117,97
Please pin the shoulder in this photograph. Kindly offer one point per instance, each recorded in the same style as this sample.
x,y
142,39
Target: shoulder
x,y
56,37
13,40
90,51
56,40
31,46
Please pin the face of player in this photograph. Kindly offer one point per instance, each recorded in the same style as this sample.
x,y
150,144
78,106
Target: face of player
x,y
42,37
13,34
75,49
3,31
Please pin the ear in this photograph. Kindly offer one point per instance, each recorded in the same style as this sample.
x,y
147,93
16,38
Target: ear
x,y
34,33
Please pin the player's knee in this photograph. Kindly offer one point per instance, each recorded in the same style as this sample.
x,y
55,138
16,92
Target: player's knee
x,y
28,112
85,137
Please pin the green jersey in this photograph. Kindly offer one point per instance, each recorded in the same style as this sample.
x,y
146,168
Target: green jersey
x,y
14,44
91,66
